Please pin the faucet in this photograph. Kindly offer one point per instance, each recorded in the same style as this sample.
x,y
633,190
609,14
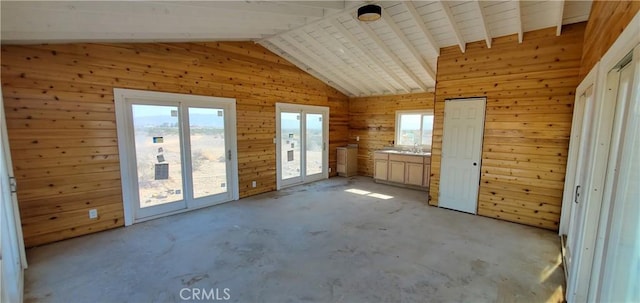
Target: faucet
x,y
415,147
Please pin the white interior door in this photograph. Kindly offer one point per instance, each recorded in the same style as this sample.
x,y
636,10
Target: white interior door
x,y
302,137
178,152
461,154
12,255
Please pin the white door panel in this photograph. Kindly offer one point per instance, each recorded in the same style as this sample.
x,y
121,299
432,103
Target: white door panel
x,y
13,259
461,154
585,150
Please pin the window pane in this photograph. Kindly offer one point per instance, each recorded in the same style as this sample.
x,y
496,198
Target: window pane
x,y
290,131
427,129
410,132
208,151
314,144
158,154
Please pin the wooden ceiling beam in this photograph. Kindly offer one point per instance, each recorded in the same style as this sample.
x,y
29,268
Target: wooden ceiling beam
x,y
385,48
452,23
519,19
273,48
560,4
318,62
342,63
407,44
485,27
353,40
422,26
366,67
313,64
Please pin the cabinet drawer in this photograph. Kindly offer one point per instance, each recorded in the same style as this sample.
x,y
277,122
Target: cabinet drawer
x,y
407,158
380,156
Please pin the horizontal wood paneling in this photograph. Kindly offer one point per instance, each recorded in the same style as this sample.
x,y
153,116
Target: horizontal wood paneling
x,y
373,119
62,131
530,93
606,22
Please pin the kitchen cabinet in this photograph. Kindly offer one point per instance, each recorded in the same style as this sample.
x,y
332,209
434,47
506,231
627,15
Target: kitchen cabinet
x,y
380,166
427,173
347,165
396,171
414,173
409,170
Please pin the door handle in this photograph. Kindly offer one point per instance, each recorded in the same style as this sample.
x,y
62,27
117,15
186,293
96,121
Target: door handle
x,y
577,194
475,163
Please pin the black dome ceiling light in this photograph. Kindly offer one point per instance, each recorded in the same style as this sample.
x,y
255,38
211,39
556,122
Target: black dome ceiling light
x,y
369,12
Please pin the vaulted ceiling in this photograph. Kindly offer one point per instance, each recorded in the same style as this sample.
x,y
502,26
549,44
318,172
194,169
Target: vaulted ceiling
x,y
395,54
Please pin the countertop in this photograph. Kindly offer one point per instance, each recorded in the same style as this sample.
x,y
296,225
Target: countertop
x,y
404,152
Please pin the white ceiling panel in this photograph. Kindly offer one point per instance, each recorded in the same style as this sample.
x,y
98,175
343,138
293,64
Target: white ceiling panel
x,y
394,55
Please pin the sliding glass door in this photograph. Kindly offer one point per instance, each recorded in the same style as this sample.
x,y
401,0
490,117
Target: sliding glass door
x,y
302,136
178,152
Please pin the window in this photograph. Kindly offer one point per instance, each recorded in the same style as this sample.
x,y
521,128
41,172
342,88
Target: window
x,y
414,128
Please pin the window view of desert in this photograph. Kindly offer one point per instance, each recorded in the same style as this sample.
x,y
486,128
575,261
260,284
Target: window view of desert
x,y
291,144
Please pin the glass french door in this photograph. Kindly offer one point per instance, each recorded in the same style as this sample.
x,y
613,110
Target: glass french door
x,y
158,157
302,138
179,153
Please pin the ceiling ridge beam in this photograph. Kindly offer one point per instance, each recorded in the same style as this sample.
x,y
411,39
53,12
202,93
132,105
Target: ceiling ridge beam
x,y
316,61
452,22
405,41
363,65
423,27
317,45
351,38
330,16
519,19
485,27
373,36
560,17
273,48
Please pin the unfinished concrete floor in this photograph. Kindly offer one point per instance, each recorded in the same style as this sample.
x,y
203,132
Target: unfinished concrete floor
x,y
324,242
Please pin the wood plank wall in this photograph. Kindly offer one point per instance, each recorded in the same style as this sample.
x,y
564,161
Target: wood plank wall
x,y
373,119
530,93
606,22
62,131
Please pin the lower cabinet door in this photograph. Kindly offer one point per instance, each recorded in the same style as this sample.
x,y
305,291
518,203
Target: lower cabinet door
x,y
396,171
415,172
380,169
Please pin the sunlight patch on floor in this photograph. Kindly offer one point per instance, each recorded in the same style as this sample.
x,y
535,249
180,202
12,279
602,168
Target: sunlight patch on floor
x,y
548,270
368,194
